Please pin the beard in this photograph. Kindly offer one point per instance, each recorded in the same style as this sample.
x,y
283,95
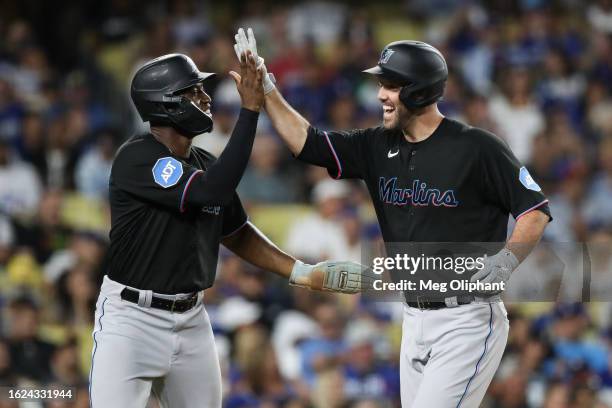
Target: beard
x,y
402,116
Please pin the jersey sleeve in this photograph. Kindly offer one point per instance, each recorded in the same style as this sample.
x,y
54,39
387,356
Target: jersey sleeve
x,y
152,175
342,153
506,181
234,217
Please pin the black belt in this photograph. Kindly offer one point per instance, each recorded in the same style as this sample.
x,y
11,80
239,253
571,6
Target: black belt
x,y
178,305
425,303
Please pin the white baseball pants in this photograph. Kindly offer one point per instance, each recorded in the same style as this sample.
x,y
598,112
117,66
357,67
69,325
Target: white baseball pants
x,y
139,350
449,356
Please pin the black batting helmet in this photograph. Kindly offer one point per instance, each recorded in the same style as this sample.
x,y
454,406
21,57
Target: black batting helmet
x,y
418,67
155,92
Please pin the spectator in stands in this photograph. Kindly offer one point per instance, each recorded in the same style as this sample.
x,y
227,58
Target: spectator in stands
x,y
352,227
517,116
475,40
30,355
368,403
320,236
32,143
68,131
77,295
366,376
512,392
7,374
78,93
7,239
326,351
309,92
454,97
264,378
20,186
571,351
264,180
557,396
600,242
476,112
93,169
328,389
81,250
601,67
30,73
598,210
11,110
47,233
343,112
65,368
292,327
560,84
597,107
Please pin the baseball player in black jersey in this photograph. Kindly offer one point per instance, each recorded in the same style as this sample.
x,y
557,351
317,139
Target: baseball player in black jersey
x,y
431,179
171,206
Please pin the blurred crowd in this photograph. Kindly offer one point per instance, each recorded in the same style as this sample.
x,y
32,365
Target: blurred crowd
x,y
538,73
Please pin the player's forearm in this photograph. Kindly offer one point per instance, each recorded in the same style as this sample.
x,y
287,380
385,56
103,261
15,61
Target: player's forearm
x,y
527,233
216,186
254,247
291,126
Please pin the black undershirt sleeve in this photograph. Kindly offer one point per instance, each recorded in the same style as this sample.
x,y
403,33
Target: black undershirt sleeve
x,y
216,186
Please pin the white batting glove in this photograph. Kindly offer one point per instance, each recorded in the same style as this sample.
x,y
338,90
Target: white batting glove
x,y
246,42
343,277
496,269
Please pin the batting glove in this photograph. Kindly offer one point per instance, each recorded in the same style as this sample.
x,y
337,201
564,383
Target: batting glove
x,y
496,269
343,277
246,42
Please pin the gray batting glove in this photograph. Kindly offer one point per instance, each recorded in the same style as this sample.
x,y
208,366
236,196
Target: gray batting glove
x,y
496,269
343,277
246,42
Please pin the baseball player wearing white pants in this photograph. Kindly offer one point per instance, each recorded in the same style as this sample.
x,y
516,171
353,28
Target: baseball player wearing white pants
x,y
139,350
449,356
432,180
171,206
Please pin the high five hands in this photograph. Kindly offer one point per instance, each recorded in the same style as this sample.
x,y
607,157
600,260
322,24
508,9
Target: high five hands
x,y
246,42
249,82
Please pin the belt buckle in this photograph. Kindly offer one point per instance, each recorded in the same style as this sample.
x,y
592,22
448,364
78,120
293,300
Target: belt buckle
x,y
422,302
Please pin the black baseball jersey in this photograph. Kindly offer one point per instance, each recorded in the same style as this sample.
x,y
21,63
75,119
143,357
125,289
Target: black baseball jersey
x,y
458,185
157,242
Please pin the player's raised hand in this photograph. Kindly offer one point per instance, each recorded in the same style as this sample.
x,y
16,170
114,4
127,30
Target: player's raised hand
x,y
343,277
246,42
249,82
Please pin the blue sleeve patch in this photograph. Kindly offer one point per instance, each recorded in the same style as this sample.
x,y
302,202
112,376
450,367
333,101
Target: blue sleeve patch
x,y
528,181
167,171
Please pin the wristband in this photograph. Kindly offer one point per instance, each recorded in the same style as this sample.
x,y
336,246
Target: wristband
x,y
300,274
268,82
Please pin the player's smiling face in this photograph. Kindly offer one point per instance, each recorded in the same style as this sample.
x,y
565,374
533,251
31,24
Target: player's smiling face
x,y
197,95
393,108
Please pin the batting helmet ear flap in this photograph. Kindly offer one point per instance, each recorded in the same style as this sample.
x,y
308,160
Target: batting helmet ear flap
x,y
418,98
